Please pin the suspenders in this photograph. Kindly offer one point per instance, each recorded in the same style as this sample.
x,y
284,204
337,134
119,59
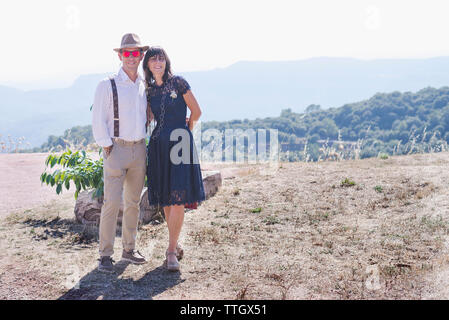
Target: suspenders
x,y
115,99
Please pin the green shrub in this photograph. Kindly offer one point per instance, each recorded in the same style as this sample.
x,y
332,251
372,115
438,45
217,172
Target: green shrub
x,y
77,167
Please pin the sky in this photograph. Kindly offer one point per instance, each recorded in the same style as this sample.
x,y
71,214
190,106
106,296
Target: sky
x,y
52,42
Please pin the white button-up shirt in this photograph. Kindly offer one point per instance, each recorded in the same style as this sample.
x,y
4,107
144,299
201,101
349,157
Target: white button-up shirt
x,y
132,107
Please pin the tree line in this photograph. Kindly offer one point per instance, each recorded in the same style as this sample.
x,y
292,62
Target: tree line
x,y
391,123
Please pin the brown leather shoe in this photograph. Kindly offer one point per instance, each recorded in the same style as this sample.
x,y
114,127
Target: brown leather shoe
x,y
133,256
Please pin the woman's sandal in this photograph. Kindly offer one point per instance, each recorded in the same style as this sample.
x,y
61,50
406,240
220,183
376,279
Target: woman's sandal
x,y
171,266
179,252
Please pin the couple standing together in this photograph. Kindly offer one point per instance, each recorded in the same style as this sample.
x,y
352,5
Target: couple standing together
x,y
124,105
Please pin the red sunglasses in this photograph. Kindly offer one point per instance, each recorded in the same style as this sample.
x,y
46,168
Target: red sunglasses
x,y
134,53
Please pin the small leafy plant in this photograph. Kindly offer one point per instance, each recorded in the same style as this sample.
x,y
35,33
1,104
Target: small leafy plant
x,y
347,183
378,188
77,167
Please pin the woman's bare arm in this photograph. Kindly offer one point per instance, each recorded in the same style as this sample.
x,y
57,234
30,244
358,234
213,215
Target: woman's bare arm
x,y
195,111
150,115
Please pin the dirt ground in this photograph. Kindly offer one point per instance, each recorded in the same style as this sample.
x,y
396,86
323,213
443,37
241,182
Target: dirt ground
x,y
20,188
355,229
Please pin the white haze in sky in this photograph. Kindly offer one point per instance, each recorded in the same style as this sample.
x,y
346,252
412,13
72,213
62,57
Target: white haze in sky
x,y
48,43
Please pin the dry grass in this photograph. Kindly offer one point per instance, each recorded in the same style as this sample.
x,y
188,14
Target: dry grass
x,y
310,231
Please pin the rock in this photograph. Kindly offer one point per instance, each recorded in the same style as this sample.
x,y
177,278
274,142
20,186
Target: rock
x,y
148,213
212,182
88,210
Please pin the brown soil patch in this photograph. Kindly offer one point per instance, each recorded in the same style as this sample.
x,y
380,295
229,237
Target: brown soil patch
x,y
20,187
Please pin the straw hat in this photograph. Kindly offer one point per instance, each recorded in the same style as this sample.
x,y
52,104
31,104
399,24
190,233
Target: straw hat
x,y
131,40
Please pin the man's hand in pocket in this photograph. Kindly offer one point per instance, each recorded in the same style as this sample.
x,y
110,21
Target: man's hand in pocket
x,y
107,150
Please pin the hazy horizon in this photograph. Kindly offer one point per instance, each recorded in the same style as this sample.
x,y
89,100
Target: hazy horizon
x,y
64,39
67,81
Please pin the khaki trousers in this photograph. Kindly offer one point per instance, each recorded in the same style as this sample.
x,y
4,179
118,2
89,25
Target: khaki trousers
x,y
123,173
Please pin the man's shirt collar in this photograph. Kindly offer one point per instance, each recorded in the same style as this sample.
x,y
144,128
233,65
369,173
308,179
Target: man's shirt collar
x,y
122,76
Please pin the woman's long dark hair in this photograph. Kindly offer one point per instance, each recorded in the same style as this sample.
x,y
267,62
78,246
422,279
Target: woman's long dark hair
x,y
151,52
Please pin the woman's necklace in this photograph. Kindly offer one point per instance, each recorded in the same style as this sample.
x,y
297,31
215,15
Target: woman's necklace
x,y
165,89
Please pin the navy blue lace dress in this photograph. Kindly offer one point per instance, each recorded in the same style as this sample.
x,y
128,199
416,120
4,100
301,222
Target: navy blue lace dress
x,y
173,170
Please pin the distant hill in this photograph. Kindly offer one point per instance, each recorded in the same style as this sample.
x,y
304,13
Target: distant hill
x,y
244,90
38,114
393,123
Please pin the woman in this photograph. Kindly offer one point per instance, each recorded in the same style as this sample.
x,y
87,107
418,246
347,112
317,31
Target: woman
x,y
172,184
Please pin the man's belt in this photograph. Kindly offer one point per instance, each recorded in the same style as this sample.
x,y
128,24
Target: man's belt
x,y
126,142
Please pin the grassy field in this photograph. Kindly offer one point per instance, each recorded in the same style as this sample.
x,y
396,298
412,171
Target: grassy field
x,y
355,229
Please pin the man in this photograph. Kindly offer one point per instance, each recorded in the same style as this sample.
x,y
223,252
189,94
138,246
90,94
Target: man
x,y
118,125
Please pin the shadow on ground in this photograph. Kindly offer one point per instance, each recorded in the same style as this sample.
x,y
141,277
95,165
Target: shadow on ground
x,y
95,284
98,285
72,231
